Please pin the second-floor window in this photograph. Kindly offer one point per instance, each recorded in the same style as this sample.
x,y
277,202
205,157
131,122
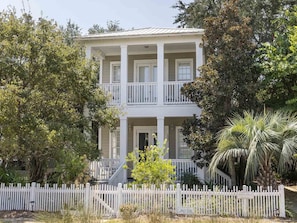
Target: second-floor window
x,y
115,68
147,71
184,69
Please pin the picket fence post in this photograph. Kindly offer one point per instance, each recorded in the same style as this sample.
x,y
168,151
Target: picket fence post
x,y
178,199
87,197
120,199
244,201
32,196
282,209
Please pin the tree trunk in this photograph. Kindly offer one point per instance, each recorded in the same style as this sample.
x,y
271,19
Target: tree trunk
x,y
37,169
232,171
266,177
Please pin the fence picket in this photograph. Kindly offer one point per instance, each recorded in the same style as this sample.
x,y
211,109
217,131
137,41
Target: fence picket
x,y
106,200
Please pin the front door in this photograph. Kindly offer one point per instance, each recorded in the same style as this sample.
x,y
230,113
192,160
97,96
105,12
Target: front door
x,y
145,136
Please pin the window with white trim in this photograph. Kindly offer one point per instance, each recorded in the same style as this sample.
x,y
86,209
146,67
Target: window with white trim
x,y
147,70
184,69
115,72
115,144
182,149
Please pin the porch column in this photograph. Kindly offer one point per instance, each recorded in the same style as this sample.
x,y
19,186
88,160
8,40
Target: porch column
x,y
124,73
160,67
88,52
101,71
160,129
199,56
99,138
123,141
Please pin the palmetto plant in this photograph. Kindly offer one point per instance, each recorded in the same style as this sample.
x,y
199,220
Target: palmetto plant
x,y
262,143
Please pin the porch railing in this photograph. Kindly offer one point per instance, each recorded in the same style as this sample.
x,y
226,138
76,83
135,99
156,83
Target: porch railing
x,y
142,93
114,91
183,166
172,93
118,175
103,169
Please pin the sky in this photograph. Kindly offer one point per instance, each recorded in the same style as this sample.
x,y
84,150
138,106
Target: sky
x,y
86,13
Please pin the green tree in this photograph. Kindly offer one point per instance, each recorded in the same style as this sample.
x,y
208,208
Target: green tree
x,y
46,87
149,166
261,144
112,26
228,80
71,31
261,13
278,61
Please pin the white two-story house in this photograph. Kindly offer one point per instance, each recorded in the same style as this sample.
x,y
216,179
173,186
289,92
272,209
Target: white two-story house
x,y
143,70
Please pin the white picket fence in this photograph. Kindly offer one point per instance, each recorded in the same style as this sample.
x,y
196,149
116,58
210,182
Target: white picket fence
x,y
106,200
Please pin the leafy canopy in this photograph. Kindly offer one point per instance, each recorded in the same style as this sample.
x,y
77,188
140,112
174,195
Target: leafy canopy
x,y
278,63
228,80
46,87
264,143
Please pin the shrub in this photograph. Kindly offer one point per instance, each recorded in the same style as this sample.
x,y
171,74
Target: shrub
x,y
128,211
149,166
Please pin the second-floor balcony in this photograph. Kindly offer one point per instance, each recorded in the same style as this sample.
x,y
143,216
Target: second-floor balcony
x,y
139,93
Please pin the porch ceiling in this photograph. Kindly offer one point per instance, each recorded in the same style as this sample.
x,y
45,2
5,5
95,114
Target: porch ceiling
x,y
146,49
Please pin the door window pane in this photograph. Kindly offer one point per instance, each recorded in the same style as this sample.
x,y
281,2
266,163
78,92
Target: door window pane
x,y
115,144
143,140
155,73
144,74
116,73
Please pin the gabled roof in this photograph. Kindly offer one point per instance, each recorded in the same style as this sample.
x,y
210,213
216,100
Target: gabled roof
x,y
145,32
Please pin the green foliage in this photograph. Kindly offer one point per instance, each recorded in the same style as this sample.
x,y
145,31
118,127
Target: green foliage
x,y
46,87
278,61
112,26
262,13
10,176
265,143
149,167
228,80
190,179
128,212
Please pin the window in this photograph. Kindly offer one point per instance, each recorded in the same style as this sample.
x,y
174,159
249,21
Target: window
x,y
184,69
146,70
115,72
115,144
182,150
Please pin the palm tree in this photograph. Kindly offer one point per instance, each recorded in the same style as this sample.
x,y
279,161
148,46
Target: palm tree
x,y
261,143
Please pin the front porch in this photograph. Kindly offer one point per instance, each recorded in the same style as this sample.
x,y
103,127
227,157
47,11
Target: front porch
x,y
111,171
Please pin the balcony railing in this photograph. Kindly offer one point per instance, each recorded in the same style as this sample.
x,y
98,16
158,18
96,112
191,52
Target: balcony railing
x,y
114,91
142,93
146,93
172,94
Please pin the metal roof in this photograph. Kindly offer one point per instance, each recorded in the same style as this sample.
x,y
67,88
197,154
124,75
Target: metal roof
x,y
145,32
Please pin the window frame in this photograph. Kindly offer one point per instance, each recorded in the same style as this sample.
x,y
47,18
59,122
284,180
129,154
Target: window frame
x,y
184,60
112,65
177,146
117,129
151,63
